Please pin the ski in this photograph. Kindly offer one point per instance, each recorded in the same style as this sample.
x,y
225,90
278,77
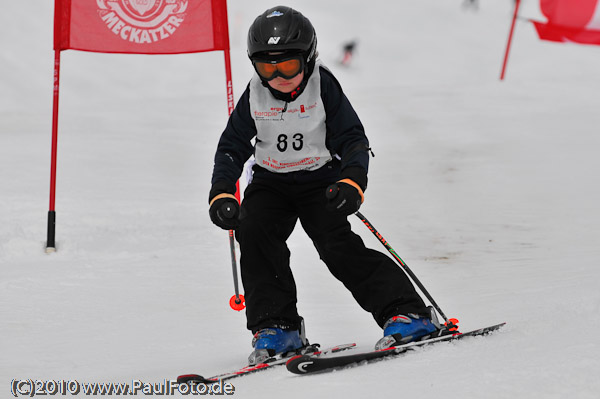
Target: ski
x,y
307,364
274,361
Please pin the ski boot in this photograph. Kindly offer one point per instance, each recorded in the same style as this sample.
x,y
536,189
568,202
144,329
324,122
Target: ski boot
x,y
400,329
273,341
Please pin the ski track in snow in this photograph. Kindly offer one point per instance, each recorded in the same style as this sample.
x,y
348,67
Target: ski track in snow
x,y
487,190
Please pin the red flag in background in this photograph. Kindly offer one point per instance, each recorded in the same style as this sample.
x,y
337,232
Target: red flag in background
x,y
141,26
570,21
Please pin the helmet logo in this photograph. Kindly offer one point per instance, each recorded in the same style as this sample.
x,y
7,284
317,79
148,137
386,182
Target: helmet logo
x,y
274,40
275,14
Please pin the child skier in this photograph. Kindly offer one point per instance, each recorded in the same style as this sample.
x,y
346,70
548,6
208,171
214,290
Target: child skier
x,y
308,137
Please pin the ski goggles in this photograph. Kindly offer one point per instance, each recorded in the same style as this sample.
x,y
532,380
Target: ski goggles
x,y
286,68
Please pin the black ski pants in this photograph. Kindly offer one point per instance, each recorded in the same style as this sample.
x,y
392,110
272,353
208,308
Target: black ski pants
x,y
269,213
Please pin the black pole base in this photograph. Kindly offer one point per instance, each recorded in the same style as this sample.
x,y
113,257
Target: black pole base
x,y
50,244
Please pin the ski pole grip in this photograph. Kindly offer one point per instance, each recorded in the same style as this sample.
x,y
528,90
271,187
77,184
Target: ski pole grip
x,y
332,191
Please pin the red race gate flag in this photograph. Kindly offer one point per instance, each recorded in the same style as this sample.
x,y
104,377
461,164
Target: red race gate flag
x,y
570,21
134,27
141,26
576,21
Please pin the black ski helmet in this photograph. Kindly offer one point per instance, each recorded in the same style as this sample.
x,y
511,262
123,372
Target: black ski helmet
x,y
282,29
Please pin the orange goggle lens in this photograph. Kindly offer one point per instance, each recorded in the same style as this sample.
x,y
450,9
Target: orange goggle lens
x,y
287,69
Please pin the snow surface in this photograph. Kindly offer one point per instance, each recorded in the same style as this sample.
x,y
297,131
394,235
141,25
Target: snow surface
x,y
488,190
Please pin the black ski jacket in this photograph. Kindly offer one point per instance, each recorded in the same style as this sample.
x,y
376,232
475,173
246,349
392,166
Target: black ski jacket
x,y
345,139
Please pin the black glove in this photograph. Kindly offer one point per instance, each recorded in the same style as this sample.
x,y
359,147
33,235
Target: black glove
x,y
224,212
224,208
344,197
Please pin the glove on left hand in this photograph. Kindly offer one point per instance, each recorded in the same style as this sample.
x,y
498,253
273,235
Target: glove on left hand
x,y
344,197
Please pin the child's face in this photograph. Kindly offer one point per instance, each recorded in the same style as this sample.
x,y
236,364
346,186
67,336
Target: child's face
x,y
286,85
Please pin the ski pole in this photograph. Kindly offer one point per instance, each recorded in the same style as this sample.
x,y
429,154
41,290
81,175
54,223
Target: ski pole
x,y
331,193
236,301
404,266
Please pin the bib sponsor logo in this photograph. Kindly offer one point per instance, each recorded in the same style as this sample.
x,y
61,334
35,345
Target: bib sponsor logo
x,y
276,113
272,114
307,163
142,21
